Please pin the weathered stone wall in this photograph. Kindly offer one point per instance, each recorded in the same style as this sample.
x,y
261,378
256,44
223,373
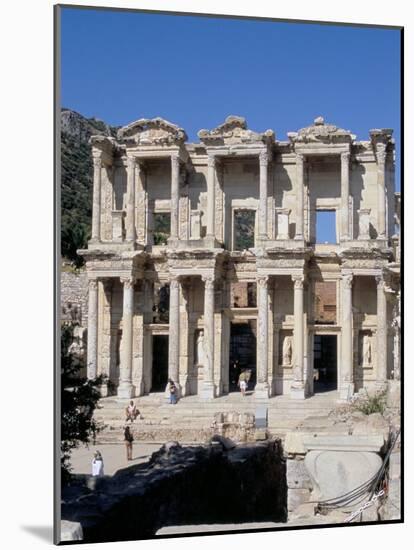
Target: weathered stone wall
x,y
181,486
74,290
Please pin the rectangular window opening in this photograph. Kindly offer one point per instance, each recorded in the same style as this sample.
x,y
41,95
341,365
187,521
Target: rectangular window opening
x,y
326,227
244,222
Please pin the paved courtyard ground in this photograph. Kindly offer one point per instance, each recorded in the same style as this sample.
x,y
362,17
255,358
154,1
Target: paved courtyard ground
x,y
114,456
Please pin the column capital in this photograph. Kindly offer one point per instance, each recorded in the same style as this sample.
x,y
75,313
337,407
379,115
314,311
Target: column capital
x,y
300,157
128,281
209,281
262,280
175,159
345,156
347,279
211,160
298,281
92,284
264,158
174,282
381,283
381,153
97,161
131,161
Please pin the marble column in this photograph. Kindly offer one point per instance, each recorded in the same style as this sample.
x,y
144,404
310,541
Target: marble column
x,y
96,200
174,334
345,234
346,386
92,352
104,359
297,390
130,208
125,388
382,333
381,224
264,161
396,323
262,384
300,183
211,183
175,195
208,388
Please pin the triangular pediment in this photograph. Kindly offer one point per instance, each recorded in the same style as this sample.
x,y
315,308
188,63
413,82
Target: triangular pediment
x,y
234,131
155,131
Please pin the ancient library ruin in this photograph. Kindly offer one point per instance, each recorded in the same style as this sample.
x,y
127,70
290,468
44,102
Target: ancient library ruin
x,y
243,253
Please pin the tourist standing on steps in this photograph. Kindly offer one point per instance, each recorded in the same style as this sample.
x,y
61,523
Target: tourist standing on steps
x,y
172,388
243,383
128,438
97,465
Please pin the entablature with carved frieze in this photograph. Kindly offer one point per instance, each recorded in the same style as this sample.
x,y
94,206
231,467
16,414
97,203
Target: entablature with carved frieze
x,y
365,258
102,264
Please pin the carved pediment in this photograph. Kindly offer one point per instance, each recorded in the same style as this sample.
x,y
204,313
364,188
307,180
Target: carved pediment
x,y
155,131
233,131
320,131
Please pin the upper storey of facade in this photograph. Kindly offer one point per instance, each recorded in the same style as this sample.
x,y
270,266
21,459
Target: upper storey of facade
x,y
241,190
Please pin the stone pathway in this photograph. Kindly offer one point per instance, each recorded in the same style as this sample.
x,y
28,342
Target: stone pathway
x,y
114,457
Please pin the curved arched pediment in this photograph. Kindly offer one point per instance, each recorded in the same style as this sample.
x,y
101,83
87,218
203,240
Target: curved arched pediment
x,y
233,131
155,131
320,131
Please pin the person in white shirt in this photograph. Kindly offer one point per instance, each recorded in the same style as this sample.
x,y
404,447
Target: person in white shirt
x,y
97,465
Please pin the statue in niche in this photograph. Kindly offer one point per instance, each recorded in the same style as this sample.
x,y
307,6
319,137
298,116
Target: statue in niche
x,y
366,351
200,354
287,350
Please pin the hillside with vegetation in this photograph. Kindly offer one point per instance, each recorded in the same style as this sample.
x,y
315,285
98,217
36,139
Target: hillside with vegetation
x,y
77,180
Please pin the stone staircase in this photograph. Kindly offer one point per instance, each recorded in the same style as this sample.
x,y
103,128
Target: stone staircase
x,y
191,419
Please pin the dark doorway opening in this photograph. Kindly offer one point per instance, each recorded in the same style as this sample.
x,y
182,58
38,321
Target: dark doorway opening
x,y
242,354
325,363
159,363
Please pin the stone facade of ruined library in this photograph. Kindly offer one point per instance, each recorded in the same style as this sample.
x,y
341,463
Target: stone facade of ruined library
x,y
205,261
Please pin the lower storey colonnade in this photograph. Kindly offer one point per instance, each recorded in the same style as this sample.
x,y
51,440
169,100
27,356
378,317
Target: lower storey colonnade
x,y
204,340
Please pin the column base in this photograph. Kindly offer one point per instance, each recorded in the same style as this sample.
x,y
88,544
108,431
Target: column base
x,y
297,390
208,390
346,391
262,390
139,388
125,390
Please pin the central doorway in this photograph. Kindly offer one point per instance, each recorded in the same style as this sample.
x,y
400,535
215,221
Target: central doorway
x,y
325,363
159,362
242,354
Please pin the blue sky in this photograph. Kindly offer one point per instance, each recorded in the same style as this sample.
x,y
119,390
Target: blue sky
x,y
194,71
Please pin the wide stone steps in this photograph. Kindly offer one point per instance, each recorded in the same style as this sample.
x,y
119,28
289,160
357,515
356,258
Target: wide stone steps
x,y
190,420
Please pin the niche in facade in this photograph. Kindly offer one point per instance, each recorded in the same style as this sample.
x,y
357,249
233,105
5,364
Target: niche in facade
x,y
162,227
161,304
244,222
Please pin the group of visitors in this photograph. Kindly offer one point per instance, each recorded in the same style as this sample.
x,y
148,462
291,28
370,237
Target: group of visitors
x,y
131,414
